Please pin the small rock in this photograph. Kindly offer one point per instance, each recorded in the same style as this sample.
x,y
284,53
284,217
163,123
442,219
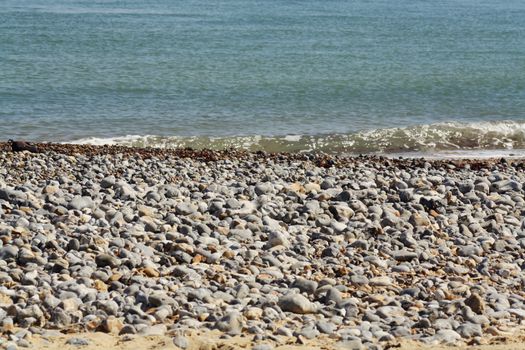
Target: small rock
x,y
150,272
305,286
469,330
77,341
296,303
262,347
112,325
476,303
185,208
104,260
263,188
180,342
154,331
354,344
381,281
230,323
8,325
8,252
447,336
79,203
403,255
325,327
253,313
276,239
108,182
309,332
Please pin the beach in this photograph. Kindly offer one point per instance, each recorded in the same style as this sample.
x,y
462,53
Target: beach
x,y
262,175
108,246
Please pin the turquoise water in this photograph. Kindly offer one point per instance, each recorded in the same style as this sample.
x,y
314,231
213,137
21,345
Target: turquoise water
x,y
347,75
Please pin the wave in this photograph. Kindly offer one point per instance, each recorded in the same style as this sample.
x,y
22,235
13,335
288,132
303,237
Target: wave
x,y
427,139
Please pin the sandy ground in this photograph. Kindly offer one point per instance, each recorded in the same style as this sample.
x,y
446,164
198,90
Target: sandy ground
x,y
210,340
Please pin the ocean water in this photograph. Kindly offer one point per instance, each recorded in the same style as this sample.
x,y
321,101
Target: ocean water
x,y
334,75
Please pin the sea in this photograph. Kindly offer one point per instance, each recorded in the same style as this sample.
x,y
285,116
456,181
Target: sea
x,y
423,77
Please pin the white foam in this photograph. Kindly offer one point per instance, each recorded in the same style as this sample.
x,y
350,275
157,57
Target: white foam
x,y
494,139
100,141
463,154
293,138
128,140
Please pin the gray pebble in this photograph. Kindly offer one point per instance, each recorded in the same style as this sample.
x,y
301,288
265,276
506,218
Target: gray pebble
x,y
296,303
77,341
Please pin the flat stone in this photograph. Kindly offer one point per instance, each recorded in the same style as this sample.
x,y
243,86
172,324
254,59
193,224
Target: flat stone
x,y
263,188
284,332
8,252
469,330
359,279
390,311
305,286
276,238
231,323
262,347
381,281
112,325
79,203
180,342
354,344
77,341
333,295
104,260
154,331
325,327
447,336
404,255
12,196
253,313
476,303
309,332
107,182
296,303
185,208
518,312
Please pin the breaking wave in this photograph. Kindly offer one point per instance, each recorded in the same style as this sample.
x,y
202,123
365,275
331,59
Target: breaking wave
x,y
427,139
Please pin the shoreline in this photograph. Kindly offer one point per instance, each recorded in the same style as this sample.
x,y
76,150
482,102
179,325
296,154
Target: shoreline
x,y
283,249
445,139
211,154
488,156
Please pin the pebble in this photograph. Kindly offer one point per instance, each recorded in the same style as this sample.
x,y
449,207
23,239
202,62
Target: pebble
x,y
77,342
309,332
296,303
447,336
354,344
180,342
368,251
79,203
476,303
380,281
305,286
112,325
231,323
155,331
104,260
325,327
469,330
262,347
